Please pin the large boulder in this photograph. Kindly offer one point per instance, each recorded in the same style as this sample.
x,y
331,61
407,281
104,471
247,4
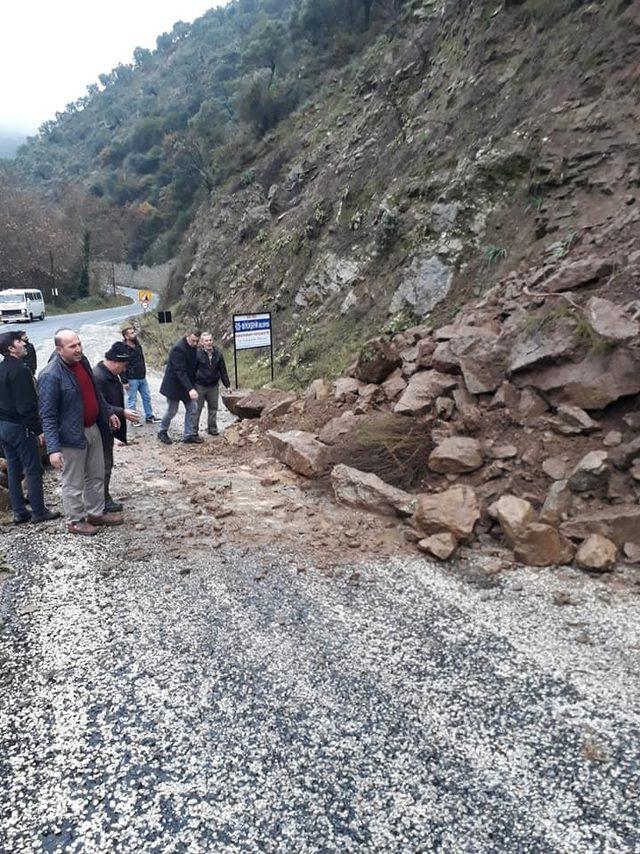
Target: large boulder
x,y
367,491
597,379
597,553
422,390
346,389
609,321
453,511
377,359
338,427
456,455
299,450
252,405
543,545
232,397
481,358
619,522
577,274
536,341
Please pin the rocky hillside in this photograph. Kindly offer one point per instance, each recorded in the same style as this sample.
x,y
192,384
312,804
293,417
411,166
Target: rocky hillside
x,y
469,141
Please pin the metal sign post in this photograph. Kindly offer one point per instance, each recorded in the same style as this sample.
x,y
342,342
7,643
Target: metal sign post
x,y
252,332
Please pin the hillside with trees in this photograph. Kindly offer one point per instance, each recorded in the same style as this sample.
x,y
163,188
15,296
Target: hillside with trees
x,y
157,135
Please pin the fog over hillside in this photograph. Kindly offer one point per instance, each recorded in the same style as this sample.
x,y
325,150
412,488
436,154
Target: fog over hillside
x,y
10,141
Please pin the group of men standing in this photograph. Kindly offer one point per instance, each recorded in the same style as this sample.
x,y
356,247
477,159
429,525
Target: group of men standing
x,y
75,413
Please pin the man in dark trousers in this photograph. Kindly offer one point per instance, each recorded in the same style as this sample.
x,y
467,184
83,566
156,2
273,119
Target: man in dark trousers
x,y
134,377
75,416
108,381
210,369
179,384
21,431
30,356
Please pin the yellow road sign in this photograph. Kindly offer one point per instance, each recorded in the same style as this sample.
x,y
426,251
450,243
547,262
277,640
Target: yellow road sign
x,y
144,297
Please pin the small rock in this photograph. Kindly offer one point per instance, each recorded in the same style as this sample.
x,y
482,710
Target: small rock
x,y
555,468
456,455
597,553
557,504
441,546
591,473
503,452
632,552
613,438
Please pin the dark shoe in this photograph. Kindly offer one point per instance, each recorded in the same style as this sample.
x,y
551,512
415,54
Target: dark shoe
x,y
107,521
21,518
153,420
193,440
47,516
82,528
111,506
213,432
165,438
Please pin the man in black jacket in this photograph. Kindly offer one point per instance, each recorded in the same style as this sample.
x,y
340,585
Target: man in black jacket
x,y
21,431
210,369
134,378
108,375
179,384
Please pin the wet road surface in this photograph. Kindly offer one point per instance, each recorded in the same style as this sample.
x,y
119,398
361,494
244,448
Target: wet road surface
x,y
245,702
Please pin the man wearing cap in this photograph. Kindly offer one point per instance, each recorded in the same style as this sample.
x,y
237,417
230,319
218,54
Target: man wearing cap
x,y
21,431
108,381
134,379
75,416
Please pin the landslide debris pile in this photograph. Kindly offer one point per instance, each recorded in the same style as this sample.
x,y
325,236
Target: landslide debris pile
x,y
528,403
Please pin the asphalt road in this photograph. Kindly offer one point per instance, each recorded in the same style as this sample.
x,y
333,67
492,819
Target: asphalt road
x,y
244,702
41,332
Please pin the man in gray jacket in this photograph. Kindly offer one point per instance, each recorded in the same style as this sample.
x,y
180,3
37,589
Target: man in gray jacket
x,y
74,416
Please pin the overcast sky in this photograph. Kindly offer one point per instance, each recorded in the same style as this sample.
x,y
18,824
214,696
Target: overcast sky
x,y
52,49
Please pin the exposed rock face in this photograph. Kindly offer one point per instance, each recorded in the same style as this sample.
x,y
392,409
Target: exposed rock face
x,y
576,274
426,283
299,450
378,358
592,472
441,546
593,382
456,455
597,553
609,321
369,492
620,523
453,511
422,390
329,276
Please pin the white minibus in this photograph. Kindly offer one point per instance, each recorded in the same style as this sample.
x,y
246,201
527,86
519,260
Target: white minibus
x,y
19,304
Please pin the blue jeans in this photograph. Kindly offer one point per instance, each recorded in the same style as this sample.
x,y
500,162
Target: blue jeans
x,y
23,457
141,386
190,417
